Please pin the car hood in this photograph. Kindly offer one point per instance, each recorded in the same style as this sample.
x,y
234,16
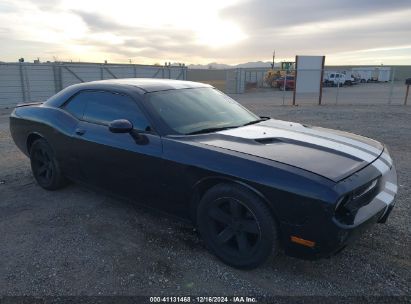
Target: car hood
x,y
330,153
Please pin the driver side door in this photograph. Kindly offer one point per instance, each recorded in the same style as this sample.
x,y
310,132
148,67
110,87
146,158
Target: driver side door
x,y
117,162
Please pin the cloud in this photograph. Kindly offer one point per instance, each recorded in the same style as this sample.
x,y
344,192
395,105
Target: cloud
x,y
49,5
260,14
322,27
97,22
200,32
137,41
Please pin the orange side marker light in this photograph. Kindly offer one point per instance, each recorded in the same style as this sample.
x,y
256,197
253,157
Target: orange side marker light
x,y
303,242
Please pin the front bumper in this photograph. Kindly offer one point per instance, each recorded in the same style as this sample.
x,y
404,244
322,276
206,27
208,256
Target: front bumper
x,y
333,235
382,203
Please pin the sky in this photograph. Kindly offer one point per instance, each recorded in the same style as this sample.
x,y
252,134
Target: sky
x,y
360,32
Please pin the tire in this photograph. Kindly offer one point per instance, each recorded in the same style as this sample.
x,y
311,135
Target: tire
x,y
44,166
237,226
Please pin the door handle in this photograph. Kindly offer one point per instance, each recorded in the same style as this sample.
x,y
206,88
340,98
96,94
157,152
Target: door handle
x,y
80,131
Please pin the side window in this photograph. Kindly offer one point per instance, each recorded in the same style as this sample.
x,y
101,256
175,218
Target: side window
x,y
76,105
104,107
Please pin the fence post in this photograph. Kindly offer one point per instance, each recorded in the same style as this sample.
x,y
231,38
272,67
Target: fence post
x,y
284,88
320,97
392,86
295,79
58,77
55,78
60,73
338,90
26,77
23,90
239,80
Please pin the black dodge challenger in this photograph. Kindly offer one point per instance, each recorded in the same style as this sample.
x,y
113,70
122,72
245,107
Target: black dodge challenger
x,y
250,184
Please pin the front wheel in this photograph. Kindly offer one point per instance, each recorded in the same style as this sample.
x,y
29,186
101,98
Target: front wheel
x,y
44,166
237,226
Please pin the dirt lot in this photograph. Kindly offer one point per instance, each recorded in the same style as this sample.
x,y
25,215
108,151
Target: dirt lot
x,y
80,242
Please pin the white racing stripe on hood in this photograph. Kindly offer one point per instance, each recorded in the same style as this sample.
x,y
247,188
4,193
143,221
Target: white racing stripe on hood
x,y
385,197
381,166
260,132
302,129
391,187
387,158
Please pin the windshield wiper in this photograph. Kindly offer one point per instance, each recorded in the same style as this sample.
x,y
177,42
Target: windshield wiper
x,y
216,129
256,121
210,130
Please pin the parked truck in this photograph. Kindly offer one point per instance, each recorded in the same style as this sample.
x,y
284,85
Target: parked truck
x,y
338,79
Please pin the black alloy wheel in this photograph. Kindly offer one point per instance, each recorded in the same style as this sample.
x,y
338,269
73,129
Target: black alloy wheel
x,y
44,166
237,226
234,226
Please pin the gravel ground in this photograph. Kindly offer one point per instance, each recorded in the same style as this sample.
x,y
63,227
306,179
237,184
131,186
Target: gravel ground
x,y
361,94
79,242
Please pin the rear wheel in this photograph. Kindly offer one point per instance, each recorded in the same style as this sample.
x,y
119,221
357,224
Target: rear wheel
x,y
237,226
45,167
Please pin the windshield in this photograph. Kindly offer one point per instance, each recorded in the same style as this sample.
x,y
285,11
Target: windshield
x,y
200,110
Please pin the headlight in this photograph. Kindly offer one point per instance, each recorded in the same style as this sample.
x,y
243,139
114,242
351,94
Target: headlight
x,y
364,189
354,198
342,201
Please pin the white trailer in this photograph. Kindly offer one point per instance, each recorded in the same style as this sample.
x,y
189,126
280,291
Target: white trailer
x,y
373,74
384,74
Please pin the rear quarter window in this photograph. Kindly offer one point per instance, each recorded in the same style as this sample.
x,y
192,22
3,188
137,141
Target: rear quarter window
x,y
76,105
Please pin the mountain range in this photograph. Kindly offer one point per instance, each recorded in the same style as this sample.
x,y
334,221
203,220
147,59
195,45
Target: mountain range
x,y
215,65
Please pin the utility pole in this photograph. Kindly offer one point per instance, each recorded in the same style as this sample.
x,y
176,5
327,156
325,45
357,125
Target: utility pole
x,y
272,65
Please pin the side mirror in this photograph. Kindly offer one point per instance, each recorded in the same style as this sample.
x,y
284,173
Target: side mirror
x,y
120,126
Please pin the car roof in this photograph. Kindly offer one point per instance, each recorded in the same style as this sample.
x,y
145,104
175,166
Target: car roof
x,y
134,85
149,84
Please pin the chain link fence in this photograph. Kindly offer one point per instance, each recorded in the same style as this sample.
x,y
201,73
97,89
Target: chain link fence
x,y
370,85
24,82
374,85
